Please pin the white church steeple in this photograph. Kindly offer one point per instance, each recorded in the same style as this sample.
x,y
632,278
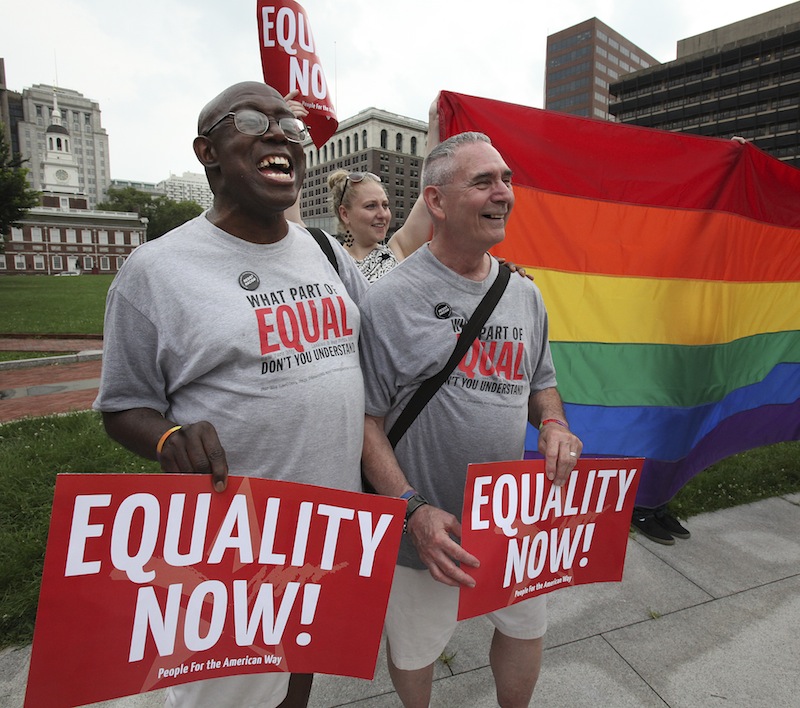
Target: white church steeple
x,y
60,166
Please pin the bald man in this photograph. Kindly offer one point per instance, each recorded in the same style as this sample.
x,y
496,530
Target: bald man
x,y
198,372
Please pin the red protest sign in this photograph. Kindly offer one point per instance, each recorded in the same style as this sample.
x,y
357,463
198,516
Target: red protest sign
x,y
155,580
532,537
289,61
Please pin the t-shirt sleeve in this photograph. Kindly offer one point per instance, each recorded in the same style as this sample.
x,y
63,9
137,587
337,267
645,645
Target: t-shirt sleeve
x,y
379,380
131,377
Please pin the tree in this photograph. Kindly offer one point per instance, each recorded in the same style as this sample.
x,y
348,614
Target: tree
x,y
168,214
163,214
127,199
16,195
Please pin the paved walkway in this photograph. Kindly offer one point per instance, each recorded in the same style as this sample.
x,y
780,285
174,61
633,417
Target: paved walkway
x,y
61,383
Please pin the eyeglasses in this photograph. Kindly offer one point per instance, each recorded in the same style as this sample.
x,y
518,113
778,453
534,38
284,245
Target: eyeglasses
x,y
252,122
357,177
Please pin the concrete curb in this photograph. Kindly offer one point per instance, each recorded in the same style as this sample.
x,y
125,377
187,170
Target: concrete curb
x,y
88,355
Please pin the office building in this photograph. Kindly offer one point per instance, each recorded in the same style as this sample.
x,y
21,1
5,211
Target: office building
x,y
79,115
581,61
190,186
386,144
741,79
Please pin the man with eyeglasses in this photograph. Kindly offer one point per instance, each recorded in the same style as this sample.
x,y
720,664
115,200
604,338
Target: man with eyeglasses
x,y
205,327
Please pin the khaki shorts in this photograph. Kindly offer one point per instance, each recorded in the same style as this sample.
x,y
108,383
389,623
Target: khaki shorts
x,y
421,618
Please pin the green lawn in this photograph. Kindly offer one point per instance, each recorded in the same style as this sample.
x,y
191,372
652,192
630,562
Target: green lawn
x,y
32,451
15,356
45,304
761,473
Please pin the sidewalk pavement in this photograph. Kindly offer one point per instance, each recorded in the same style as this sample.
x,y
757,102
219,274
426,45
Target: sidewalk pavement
x,y
710,621
62,383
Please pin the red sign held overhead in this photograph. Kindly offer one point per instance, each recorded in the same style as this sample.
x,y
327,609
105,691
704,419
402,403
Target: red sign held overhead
x,y
155,580
289,62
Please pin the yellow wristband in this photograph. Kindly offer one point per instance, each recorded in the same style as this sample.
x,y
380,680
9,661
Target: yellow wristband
x,y
164,437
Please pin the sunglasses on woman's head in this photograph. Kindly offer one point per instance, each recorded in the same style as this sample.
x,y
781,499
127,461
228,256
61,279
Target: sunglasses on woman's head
x,y
356,177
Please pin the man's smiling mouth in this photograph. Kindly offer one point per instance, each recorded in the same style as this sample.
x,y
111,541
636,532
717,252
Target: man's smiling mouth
x,y
276,166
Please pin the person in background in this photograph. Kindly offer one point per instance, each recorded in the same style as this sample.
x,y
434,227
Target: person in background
x,y
361,206
658,524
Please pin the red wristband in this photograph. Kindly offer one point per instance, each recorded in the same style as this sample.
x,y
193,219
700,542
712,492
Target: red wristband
x,y
553,420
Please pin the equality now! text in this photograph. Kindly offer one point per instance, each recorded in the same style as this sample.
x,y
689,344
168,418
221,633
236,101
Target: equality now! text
x,y
517,504
133,539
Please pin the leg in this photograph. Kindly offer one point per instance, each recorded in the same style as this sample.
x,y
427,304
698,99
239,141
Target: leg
x,y
299,691
515,664
420,620
413,687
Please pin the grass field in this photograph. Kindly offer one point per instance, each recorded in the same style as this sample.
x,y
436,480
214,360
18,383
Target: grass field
x,y
14,356
32,451
44,304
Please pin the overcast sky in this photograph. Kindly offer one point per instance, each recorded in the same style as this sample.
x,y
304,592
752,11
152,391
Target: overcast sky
x,y
152,64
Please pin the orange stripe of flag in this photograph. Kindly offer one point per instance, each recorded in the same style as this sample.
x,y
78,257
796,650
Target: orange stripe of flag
x,y
582,235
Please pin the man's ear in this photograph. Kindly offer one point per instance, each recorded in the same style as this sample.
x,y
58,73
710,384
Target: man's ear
x,y
433,197
205,151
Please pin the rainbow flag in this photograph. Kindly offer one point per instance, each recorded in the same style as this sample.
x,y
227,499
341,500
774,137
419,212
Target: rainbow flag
x,y
670,267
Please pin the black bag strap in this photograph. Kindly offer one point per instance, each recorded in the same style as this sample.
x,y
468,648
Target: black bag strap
x,y
468,334
324,244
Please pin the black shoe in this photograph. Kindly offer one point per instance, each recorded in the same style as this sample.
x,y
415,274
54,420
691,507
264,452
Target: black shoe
x,y
671,524
647,525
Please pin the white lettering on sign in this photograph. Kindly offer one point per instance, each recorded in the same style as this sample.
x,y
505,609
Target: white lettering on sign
x,y
133,543
201,632
512,502
292,32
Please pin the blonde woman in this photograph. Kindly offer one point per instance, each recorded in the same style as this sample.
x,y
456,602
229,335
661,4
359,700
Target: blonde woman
x,y
361,206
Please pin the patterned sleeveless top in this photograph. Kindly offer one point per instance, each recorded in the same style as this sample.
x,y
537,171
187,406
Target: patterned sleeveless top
x,y
378,262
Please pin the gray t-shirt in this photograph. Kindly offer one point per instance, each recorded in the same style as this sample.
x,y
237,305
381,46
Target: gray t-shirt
x,y
259,339
410,321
